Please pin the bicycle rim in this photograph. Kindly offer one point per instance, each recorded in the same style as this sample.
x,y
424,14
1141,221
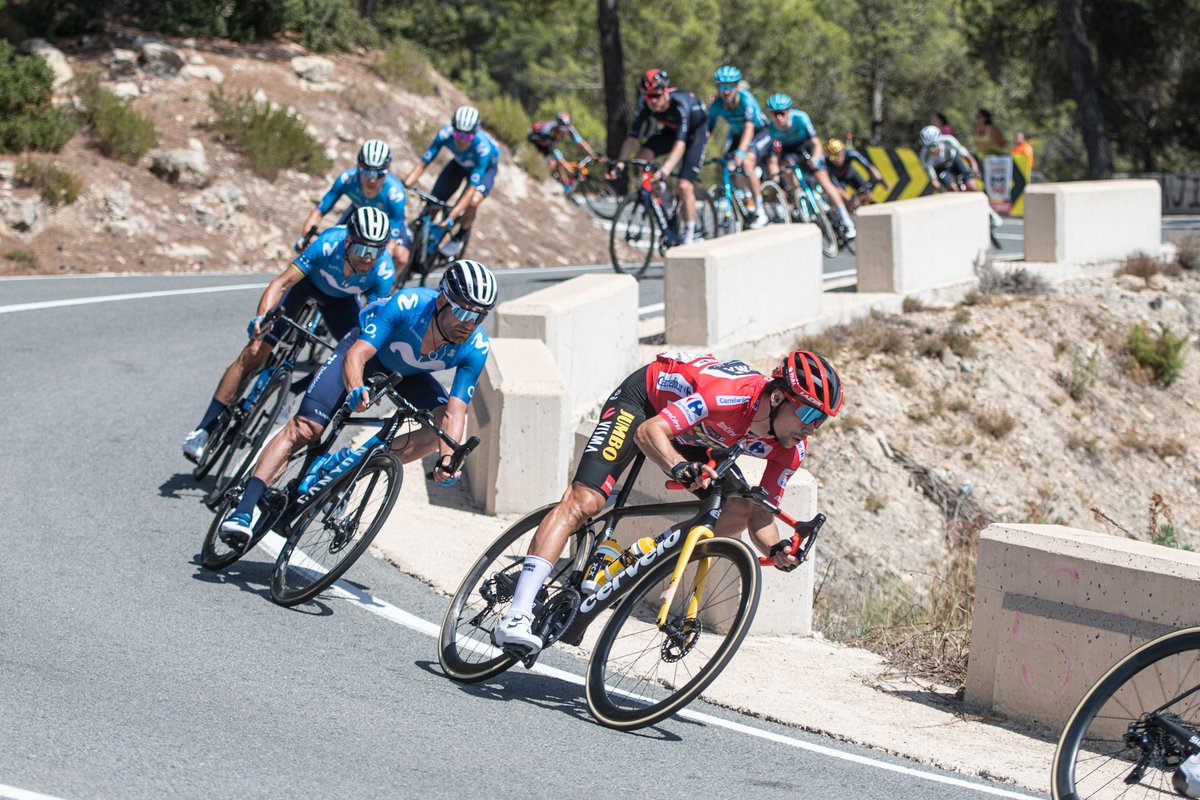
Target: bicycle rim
x,y
775,204
336,530
599,195
1093,760
214,553
706,218
804,212
244,443
638,674
633,238
465,648
829,242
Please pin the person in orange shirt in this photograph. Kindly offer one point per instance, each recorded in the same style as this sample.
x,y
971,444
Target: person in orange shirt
x,y
1023,147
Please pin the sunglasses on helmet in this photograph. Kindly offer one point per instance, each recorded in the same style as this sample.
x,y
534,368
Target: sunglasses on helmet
x,y
809,415
464,314
366,252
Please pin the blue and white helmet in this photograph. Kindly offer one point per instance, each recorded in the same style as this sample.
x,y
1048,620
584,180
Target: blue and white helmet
x,y
779,102
469,283
930,135
466,119
727,74
374,154
368,225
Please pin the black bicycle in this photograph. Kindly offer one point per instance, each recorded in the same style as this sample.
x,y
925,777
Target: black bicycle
x,y
678,612
647,222
242,430
428,231
1133,731
330,517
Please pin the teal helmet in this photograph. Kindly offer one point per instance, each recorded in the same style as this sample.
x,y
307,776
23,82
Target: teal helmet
x,y
727,74
779,102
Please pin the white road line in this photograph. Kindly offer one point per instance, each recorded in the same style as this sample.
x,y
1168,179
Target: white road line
x,y
13,793
346,591
111,298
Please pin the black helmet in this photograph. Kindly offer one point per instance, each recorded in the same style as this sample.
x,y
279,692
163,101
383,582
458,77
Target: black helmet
x,y
469,283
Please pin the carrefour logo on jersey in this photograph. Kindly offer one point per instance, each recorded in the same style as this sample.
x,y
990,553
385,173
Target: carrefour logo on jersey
x,y
694,408
732,399
673,384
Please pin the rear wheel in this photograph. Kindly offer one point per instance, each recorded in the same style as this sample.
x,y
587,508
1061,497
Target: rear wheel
x,y
335,530
639,673
633,238
775,203
214,553
465,648
599,195
706,218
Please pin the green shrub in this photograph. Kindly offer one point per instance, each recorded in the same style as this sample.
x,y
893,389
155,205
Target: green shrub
x,y
504,118
271,137
1160,356
59,187
118,130
1019,280
406,66
28,120
22,256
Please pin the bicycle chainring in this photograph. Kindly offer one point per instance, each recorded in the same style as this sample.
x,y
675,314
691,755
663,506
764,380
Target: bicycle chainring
x,y
680,638
555,616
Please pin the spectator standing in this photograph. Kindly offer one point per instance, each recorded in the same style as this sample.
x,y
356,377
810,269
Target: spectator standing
x,y
987,138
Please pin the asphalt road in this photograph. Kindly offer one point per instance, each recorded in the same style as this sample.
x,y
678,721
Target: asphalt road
x,y
127,670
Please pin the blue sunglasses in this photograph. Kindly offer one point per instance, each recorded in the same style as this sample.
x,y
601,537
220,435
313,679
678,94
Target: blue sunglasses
x,y
464,314
809,415
372,173
366,251
726,87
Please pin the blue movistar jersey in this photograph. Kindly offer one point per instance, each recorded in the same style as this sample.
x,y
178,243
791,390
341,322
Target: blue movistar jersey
x,y
395,328
323,262
390,199
798,130
480,154
743,109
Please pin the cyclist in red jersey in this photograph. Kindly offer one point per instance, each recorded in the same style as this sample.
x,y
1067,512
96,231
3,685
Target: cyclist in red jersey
x,y
674,408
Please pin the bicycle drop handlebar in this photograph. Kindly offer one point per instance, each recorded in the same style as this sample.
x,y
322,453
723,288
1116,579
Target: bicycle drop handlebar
x,y
276,315
804,532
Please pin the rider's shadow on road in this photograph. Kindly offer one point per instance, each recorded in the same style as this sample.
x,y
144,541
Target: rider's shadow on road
x,y
542,691
254,577
179,486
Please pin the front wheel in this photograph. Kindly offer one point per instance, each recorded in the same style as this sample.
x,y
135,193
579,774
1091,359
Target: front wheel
x,y
335,530
775,203
829,239
465,648
1115,741
599,195
633,238
639,673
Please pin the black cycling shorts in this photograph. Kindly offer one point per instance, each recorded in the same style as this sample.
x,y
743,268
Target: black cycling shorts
x,y
760,146
852,179
693,157
328,390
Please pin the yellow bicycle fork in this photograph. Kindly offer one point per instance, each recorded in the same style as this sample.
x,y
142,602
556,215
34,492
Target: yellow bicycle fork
x,y
694,535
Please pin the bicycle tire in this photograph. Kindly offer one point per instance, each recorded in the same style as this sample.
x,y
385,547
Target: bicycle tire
x,y
217,442
250,435
706,218
215,555
804,211
418,258
775,203
633,237
626,687
1150,679
724,212
599,195
465,649
299,573
829,239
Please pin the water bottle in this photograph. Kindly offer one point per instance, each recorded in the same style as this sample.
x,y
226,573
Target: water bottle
x,y
607,552
627,558
323,464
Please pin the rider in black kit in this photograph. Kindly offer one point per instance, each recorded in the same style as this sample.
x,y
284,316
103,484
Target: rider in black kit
x,y
681,137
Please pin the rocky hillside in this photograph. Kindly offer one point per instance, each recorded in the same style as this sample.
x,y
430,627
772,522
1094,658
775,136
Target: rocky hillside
x,y
205,210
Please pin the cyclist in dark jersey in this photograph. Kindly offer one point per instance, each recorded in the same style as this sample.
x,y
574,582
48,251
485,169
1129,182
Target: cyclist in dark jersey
x,y
841,160
672,409
544,135
681,136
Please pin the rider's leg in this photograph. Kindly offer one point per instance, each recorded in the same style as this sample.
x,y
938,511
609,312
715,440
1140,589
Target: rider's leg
x,y
298,432
840,212
687,199
748,165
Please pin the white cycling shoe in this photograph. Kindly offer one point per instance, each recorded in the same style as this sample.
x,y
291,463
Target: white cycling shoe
x,y
195,444
759,220
517,629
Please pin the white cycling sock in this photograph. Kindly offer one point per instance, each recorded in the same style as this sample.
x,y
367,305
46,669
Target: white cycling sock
x,y
533,575
689,230
758,201
844,215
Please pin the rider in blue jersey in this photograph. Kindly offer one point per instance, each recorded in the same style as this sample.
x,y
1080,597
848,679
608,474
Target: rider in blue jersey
x,y
475,157
749,141
342,266
792,132
414,333
368,184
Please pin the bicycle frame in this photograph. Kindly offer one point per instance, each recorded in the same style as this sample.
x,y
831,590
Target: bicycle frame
x,y
427,233
735,196
652,202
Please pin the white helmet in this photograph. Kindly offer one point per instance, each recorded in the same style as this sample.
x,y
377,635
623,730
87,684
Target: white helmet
x,y
466,119
368,226
374,154
929,135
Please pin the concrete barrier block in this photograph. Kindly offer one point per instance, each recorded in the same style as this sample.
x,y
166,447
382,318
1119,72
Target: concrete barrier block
x,y
521,415
589,324
920,244
738,287
786,603
1092,221
1055,607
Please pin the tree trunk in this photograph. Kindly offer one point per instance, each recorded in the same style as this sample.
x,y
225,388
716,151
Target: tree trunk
x,y
876,103
367,8
613,58
1086,88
